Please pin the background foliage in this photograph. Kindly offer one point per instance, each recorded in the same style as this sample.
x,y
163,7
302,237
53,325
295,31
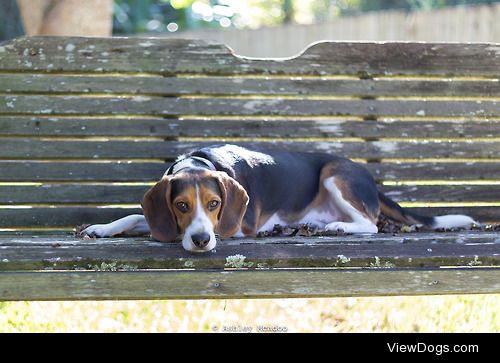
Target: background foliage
x,y
138,16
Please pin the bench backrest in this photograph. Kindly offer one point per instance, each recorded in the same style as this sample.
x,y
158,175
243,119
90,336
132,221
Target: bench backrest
x,y
88,124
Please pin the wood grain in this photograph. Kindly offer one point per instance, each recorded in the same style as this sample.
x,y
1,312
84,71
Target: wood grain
x,y
166,106
405,264
63,217
162,285
67,217
406,250
72,194
118,171
123,171
46,78
434,171
50,193
30,149
171,56
245,127
175,86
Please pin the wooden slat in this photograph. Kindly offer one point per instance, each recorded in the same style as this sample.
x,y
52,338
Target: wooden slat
x,y
132,194
46,83
434,171
480,214
26,171
72,216
72,193
441,193
12,148
61,217
406,250
170,56
403,264
54,126
74,171
152,105
243,285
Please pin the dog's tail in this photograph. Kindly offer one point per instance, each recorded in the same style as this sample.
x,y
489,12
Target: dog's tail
x,y
394,211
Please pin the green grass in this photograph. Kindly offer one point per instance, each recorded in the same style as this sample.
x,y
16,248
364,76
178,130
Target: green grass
x,y
464,313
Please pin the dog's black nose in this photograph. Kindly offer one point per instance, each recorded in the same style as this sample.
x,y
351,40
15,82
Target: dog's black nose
x,y
200,240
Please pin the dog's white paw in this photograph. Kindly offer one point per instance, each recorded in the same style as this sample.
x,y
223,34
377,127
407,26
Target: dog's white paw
x,y
338,227
97,230
351,227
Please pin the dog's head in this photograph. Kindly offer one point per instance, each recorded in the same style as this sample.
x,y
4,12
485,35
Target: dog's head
x,y
196,204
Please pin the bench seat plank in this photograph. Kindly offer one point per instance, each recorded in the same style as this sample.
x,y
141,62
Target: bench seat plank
x,y
400,265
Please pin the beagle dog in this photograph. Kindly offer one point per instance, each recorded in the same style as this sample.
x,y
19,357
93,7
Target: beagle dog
x,y
234,191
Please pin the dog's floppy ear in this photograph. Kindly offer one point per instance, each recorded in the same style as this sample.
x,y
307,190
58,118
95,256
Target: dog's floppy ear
x,y
157,209
234,205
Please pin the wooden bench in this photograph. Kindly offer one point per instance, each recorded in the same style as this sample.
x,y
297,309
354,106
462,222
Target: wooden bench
x,y
88,124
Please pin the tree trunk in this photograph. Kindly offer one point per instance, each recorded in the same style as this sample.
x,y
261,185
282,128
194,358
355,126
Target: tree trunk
x,y
67,17
10,20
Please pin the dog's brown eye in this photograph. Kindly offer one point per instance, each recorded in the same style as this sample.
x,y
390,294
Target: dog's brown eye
x,y
213,204
183,207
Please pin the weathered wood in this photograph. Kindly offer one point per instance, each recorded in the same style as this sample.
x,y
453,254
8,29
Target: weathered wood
x,y
49,193
170,86
406,250
25,148
48,134
171,56
121,171
142,285
166,106
289,128
63,217
72,194
434,171
480,214
69,216
132,194
442,193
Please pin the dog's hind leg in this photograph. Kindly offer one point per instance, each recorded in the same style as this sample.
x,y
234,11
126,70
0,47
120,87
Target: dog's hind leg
x,y
353,193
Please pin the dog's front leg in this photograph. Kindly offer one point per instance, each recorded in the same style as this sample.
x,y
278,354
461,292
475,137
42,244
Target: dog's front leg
x,y
132,224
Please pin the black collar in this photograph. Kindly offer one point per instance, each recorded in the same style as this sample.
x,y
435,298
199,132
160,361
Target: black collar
x,y
188,163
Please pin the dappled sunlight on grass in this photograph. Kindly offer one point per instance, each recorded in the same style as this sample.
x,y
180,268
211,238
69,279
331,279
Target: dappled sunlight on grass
x,y
465,313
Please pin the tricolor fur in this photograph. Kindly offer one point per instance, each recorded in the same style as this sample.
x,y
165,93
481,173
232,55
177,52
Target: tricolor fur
x,y
228,190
